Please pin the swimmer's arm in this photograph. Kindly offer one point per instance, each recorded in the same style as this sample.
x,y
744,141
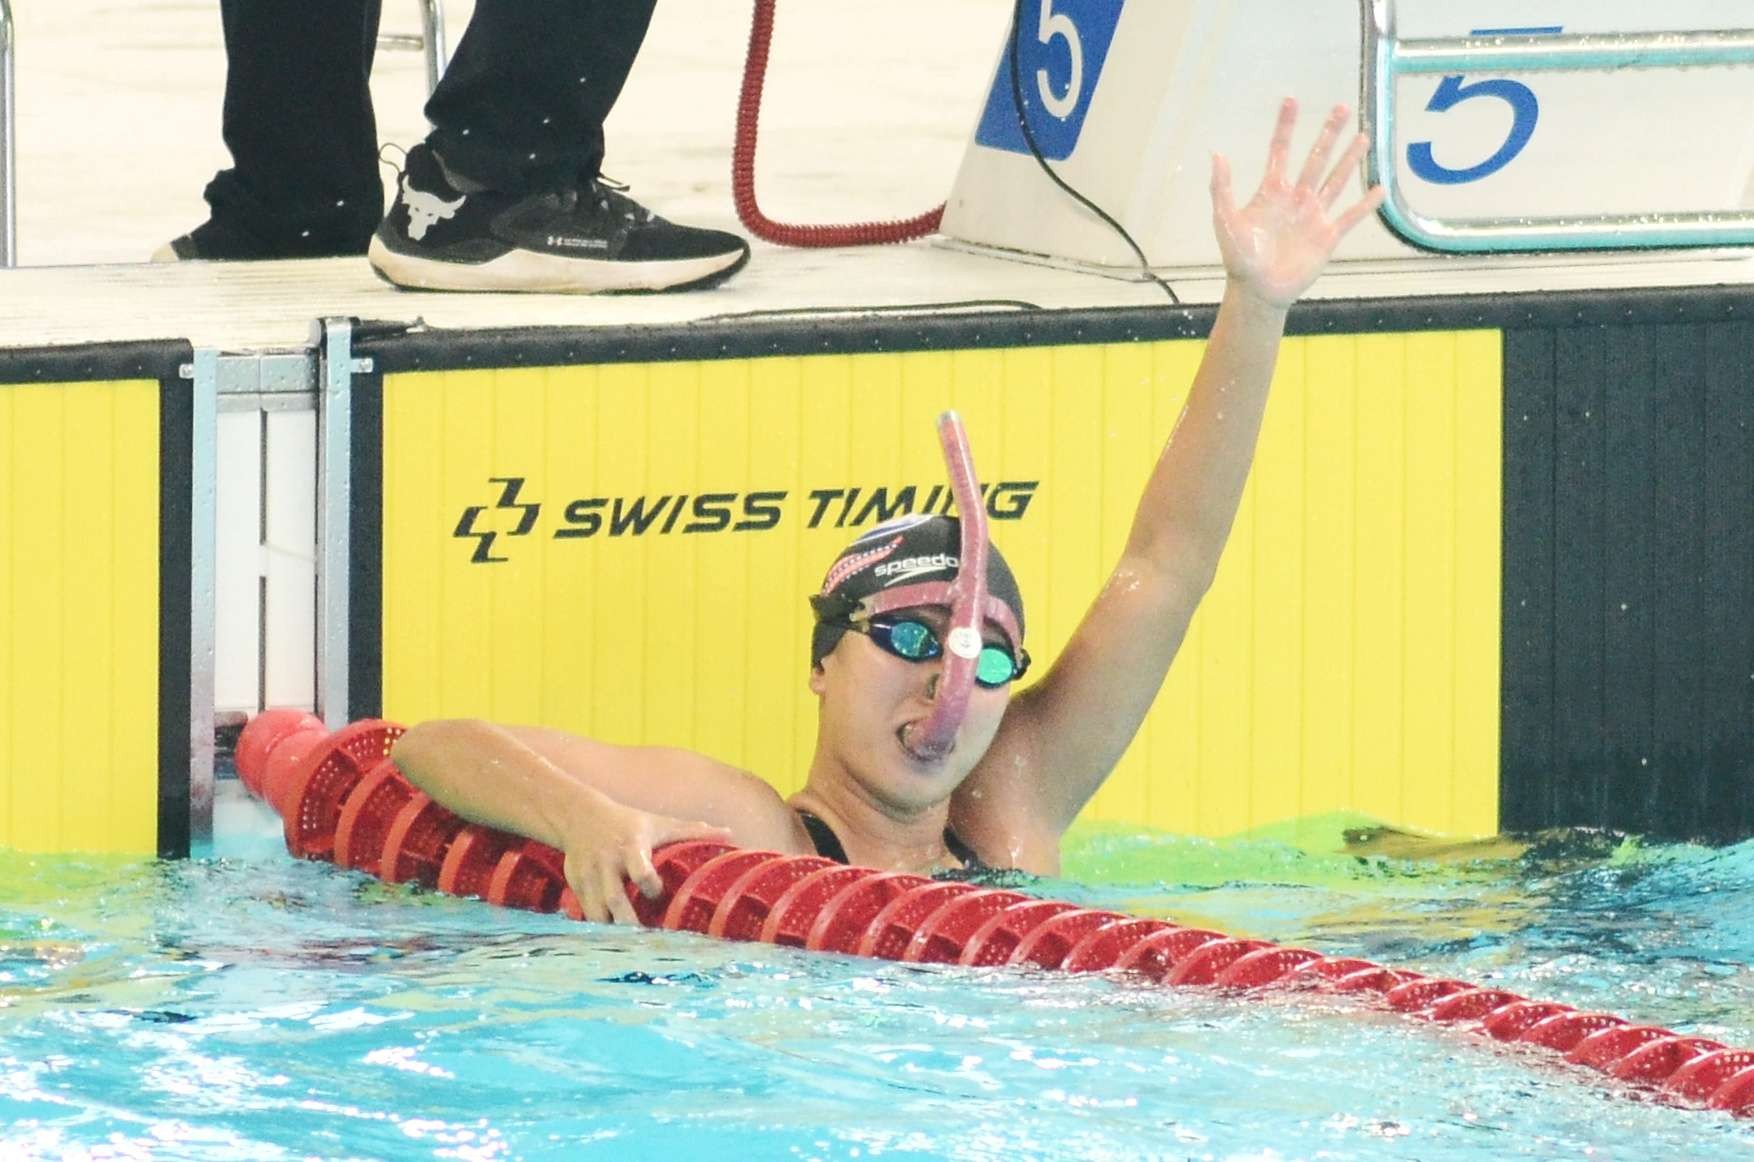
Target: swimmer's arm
x,y
1062,737
1073,726
1274,247
538,782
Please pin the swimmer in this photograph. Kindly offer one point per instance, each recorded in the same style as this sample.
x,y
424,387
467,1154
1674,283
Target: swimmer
x,y
924,760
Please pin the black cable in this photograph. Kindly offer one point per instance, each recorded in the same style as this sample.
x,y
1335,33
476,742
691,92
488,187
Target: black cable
x,y
1017,106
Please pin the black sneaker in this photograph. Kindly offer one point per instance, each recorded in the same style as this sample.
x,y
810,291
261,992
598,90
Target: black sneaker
x,y
592,239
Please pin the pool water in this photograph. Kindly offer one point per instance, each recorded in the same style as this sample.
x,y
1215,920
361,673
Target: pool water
x,y
248,1005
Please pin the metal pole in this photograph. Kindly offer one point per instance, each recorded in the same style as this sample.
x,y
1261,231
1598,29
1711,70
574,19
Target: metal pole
x,y
333,339
432,13
1613,50
8,145
203,552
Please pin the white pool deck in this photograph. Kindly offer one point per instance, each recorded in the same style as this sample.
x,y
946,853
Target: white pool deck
x,y
868,112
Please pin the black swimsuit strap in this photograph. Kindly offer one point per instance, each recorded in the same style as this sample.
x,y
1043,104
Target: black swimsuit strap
x,y
828,844
963,852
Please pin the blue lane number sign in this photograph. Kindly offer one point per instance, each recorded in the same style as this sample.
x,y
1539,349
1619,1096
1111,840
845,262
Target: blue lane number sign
x,y
1061,48
1525,112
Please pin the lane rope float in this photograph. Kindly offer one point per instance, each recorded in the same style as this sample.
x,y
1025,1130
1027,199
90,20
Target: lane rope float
x,y
342,800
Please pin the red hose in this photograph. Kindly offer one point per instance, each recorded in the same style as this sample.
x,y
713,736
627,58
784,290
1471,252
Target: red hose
x,y
743,167
344,800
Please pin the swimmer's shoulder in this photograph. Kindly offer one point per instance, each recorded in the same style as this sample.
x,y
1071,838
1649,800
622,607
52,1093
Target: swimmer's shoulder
x,y
1000,812
736,798
678,782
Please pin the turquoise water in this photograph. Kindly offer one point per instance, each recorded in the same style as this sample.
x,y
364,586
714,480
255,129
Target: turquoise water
x,y
254,1007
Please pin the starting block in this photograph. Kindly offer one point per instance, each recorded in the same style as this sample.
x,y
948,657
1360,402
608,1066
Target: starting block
x,y
1580,124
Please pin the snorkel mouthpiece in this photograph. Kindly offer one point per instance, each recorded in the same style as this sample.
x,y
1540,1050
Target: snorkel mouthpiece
x,y
934,736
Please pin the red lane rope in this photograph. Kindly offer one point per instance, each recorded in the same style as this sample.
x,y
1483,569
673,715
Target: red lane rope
x,y
743,167
344,800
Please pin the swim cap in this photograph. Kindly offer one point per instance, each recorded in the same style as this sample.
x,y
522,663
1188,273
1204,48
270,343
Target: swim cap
x,y
907,562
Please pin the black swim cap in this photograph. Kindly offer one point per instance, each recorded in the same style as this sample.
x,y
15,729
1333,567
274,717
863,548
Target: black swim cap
x,y
906,562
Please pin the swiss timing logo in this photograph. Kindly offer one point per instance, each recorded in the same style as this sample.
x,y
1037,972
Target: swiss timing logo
x,y
483,528
894,508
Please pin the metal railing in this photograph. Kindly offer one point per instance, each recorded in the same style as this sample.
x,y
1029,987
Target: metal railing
x,y
1387,59
431,41
8,145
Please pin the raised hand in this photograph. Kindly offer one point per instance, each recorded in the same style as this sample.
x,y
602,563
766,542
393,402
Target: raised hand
x,y
1277,244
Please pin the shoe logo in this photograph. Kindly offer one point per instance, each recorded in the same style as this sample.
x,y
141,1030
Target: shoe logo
x,y
510,486
566,241
427,210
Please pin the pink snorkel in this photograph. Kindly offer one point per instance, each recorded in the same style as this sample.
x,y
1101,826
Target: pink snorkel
x,y
934,736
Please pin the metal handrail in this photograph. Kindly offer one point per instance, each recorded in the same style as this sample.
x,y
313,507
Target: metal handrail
x,y
1386,59
8,146
433,30
431,41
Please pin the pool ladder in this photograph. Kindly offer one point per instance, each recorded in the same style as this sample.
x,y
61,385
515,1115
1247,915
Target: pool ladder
x,y
1387,58
431,41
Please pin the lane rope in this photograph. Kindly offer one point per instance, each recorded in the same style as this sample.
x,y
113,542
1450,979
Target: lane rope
x,y
342,799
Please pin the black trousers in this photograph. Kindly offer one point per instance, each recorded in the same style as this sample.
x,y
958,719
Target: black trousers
x,y
520,107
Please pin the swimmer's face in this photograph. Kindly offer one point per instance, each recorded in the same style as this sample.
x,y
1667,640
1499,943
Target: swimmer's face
x,y
870,696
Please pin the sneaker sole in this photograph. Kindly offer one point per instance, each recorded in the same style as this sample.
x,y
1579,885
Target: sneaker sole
x,y
530,272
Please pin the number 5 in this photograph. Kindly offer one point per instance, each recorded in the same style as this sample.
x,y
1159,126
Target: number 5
x,y
1059,24
1525,111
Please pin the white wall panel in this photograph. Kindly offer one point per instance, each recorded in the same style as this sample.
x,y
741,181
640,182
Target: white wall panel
x,y
289,560
237,580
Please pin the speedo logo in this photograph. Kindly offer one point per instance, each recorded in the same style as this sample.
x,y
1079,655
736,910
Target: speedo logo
x,y
908,568
508,514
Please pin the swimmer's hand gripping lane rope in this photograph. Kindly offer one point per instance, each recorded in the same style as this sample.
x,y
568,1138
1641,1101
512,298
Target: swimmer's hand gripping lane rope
x,y
935,736
343,800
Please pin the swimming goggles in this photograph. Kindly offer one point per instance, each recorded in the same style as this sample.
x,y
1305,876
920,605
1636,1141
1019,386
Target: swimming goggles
x,y
915,641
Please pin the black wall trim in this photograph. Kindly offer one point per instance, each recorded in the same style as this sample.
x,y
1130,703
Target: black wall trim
x,y
1628,620
758,335
365,630
158,359
176,434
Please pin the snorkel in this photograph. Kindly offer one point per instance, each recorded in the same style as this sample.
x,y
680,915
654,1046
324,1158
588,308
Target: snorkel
x,y
930,559
934,736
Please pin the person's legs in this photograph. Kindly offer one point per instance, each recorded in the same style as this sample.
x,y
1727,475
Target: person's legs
x,y
504,194
522,105
298,121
